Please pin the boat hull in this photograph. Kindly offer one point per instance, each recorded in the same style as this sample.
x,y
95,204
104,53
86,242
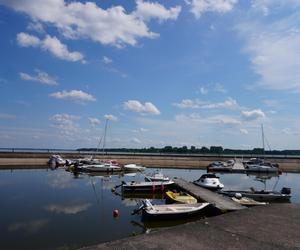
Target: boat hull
x,y
146,186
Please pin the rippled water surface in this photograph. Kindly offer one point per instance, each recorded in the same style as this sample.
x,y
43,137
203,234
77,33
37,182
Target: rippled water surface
x,y
43,209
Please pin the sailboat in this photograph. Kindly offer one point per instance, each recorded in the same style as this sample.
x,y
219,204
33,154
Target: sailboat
x,y
100,166
260,165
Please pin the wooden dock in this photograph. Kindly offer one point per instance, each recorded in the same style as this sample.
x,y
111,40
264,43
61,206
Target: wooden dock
x,y
219,201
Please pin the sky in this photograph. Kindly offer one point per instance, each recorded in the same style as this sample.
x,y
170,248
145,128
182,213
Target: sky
x,y
178,73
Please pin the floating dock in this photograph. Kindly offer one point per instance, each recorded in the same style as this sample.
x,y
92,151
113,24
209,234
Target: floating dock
x,y
219,201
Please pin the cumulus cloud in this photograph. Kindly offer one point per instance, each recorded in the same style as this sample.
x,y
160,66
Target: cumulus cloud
x,y
35,26
148,10
197,104
111,26
198,7
41,77
111,118
74,95
50,44
65,123
106,60
253,114
138,107
273,46
94,121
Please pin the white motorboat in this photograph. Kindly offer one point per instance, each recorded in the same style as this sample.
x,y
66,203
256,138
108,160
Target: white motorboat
x,y
133,167
157,176
209,181
259,165
146,186
99,168
172,209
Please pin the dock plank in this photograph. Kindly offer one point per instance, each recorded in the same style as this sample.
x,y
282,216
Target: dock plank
x,y
221,202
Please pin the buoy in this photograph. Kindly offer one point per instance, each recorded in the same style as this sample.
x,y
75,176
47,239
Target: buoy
x,y
116,213
113,189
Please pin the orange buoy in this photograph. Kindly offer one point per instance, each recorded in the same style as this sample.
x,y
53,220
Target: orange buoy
x,y
116,213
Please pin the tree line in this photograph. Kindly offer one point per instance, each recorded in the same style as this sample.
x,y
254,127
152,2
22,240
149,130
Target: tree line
x,y
194,150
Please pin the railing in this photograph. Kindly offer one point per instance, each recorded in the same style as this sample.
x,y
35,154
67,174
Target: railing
x,y
70,151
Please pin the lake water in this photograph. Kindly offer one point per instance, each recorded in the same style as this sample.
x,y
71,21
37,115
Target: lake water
x,y
44,209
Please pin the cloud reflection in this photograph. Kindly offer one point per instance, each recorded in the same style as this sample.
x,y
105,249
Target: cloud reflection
x,y
29,227
60,180
71,208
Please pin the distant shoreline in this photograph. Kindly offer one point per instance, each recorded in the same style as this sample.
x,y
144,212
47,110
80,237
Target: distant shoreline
x,y
22,160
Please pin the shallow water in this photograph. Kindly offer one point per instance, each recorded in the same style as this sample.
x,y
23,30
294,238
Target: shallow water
x,y
43,209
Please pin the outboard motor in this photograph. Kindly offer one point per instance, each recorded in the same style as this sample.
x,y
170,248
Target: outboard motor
x,y
286,190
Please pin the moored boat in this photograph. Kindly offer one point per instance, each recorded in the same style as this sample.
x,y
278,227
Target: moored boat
x,y
133,167
146,186
209,181
99,168
263,195
172,210
157,176
181,197
246,201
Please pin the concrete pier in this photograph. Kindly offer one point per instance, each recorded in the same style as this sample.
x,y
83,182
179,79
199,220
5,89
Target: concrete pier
x,y
274,226
219,201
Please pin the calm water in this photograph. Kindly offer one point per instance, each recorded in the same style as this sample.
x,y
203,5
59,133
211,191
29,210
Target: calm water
x,y
43,209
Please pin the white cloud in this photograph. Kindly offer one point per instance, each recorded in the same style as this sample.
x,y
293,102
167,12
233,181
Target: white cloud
x,y
148,10
74,95
136,140
41,77
51,44
136,106
203,90
289,131
111,118
197,104
253,114
26,40
198,7
106,60
273,48
244,131
94,121
111,26
65,123
35,26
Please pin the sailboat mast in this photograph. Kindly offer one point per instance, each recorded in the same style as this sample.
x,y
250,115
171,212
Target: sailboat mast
x,y
104,137
263,138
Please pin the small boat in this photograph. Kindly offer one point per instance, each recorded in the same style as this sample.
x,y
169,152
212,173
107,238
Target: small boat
x,y
146,186
99,168
157,176
245,201
263,195
133,168
173,210
56,161
209,181
181,197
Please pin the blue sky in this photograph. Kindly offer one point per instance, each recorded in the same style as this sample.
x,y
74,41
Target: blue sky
x,y
194,72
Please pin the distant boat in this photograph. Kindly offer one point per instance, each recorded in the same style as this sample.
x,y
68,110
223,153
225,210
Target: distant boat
x,y
173,210
146,186
157,176
56,161
99,168
133,167
263,195
209,181
220,166
181,197
259,165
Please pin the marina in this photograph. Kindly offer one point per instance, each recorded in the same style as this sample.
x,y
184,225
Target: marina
x,y
61,200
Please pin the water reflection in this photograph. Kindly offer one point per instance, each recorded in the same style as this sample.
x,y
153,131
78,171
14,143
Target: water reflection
x,y
45,209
